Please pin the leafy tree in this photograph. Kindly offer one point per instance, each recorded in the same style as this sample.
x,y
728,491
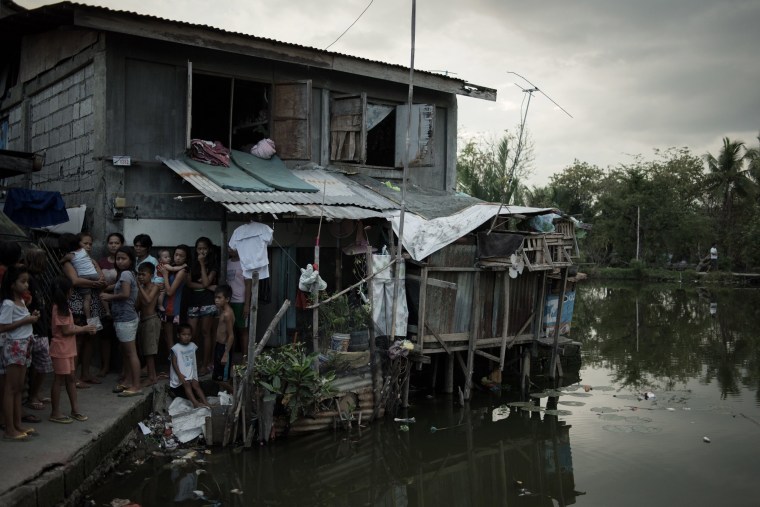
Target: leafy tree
x,y
488,170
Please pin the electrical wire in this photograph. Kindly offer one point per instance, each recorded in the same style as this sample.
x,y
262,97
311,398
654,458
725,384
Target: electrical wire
x,y
351,25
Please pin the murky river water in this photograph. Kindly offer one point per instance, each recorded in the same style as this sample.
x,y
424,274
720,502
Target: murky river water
x,y
697,351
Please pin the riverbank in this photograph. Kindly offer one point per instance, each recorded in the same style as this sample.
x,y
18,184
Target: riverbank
x,y
644,274
60,463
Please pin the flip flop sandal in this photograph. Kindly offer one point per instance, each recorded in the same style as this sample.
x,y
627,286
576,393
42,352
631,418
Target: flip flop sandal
x,y
35,405
22,437
129,394
79,417
64,419
32,432
120,388
30,418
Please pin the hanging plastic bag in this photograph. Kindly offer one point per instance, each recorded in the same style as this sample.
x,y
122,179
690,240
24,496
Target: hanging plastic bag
x,y
309,277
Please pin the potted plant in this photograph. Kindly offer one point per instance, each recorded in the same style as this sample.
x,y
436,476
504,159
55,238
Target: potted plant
x,y
339,318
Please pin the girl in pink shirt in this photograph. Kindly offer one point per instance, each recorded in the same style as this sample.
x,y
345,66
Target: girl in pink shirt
x,y
63,352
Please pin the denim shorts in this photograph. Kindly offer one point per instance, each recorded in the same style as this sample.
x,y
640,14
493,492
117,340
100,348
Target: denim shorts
x,y
126,331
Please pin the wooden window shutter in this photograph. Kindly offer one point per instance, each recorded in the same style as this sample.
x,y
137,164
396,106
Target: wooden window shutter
x,y
421,130
348,129
290,119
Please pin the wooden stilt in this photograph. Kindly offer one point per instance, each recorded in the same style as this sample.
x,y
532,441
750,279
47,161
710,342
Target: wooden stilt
x,y
505,327
449,386
474,333
555,349
525,369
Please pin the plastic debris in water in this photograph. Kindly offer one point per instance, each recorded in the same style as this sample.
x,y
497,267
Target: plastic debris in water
x,y
404,427
706,440
405,420
236,491
649,396
433,429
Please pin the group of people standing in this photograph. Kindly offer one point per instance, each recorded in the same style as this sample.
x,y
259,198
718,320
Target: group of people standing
x,y
128,296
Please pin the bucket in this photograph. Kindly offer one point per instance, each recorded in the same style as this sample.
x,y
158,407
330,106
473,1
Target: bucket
x,y
340,342
359,341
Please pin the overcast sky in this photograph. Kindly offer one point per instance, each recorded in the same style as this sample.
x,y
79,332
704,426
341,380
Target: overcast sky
x,y
635,75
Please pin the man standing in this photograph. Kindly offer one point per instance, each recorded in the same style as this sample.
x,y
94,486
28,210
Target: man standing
x,y
714,257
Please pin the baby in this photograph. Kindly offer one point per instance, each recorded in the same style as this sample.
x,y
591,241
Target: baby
x,y
165,261
78,248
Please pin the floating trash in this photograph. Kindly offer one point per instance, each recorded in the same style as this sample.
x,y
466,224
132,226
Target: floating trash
x,y
670,409
404,427
406,420
706,440
236,491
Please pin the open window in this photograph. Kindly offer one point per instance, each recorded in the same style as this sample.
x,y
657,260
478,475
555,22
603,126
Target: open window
x,y
228,109
370,132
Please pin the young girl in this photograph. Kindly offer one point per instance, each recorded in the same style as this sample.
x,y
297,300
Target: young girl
x,y
183,378
174,284
63,351
35,261
201,305
16,322
126,320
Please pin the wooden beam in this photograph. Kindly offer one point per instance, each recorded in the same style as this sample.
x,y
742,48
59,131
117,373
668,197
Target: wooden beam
x,y
555,347
440,340
505,328
432,281
474,333
488,356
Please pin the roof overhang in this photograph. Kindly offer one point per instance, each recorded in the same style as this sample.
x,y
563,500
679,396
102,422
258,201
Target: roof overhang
x,y
152,27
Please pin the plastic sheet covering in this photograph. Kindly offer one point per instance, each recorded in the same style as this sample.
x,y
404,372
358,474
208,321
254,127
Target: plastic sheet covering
x,y
187,422
382,297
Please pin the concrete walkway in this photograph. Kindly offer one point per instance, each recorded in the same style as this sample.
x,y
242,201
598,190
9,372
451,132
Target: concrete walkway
x,y
50,468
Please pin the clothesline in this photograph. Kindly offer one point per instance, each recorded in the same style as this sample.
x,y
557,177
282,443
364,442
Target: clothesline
x,y
335,296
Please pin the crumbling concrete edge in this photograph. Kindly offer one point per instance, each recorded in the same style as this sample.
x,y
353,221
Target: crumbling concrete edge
x,y
65,485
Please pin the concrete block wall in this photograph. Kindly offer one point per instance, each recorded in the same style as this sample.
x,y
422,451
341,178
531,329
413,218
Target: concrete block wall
x,y
62,125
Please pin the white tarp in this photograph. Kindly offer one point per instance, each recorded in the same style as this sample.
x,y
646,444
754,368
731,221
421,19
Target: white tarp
x,y
424,237
382,296
74,225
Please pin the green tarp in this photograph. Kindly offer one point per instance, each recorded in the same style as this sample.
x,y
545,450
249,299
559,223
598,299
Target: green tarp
x,y
272,172
229,178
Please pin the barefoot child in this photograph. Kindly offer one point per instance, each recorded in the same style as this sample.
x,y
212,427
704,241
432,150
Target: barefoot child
x,y
149,330
16,322
183,375
225,333
63,351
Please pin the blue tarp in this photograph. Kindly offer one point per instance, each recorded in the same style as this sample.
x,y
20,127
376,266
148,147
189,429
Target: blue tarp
x,y
35,208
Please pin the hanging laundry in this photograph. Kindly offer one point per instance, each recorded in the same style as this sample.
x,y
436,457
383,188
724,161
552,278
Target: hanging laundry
x,y
251,241
35,208
382,296
210,152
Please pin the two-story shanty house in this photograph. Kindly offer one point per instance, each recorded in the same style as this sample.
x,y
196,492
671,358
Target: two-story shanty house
x,y
111,100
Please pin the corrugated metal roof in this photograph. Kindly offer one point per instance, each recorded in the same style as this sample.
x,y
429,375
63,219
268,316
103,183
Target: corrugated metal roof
x,y
61,7
338,197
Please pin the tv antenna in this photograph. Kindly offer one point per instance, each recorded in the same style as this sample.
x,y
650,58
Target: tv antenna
x,y
523,119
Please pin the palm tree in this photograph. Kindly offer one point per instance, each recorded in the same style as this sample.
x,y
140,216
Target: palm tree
x,y
728,177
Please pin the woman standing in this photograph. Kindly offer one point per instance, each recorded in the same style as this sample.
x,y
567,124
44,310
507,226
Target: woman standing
x,y
76,304
107,264
200,305
126,320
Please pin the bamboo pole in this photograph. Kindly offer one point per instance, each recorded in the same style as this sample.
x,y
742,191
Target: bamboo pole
x,y
253,313
474,333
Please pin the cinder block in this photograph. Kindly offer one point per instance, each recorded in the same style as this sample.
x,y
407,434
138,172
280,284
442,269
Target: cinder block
x,y
54,103
64,132
75,111
77,128
85,106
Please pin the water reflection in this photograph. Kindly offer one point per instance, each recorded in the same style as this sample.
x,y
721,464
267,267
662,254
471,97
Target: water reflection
x,y
676,335
690,346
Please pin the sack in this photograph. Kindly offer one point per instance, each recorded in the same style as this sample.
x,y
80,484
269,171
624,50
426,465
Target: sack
x,y
264,149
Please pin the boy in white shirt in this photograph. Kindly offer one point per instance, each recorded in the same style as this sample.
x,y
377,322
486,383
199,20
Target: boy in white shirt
x,y
183,375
